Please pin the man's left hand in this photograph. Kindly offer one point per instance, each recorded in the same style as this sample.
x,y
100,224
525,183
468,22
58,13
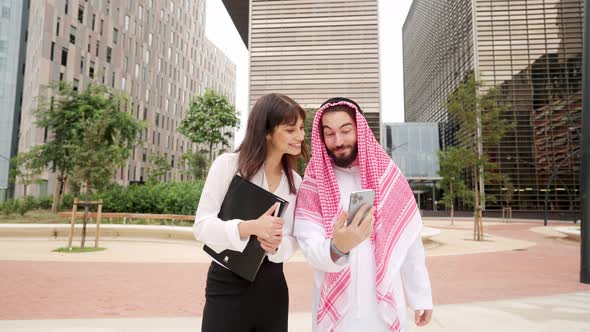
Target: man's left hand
x,y
422,317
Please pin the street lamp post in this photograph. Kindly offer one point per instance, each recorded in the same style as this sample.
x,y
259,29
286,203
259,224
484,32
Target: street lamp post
x,y
585,169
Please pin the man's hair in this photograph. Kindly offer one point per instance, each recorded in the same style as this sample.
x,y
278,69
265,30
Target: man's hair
x,y
340,108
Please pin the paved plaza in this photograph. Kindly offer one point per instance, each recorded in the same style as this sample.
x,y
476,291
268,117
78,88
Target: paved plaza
x,y
523,277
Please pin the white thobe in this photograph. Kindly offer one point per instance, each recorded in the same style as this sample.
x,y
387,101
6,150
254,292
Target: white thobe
x,y
220,235
363,315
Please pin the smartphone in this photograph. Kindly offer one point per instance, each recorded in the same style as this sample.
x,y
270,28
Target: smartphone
x,y
358,199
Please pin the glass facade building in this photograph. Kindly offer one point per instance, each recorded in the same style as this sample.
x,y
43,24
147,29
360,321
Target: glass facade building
x,y
414,148
531,50
13,25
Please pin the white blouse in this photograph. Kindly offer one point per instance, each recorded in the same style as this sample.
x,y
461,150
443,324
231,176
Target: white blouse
x,y
220,235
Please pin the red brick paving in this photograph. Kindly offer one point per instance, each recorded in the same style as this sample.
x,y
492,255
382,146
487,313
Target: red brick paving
x,y
550,267
43,290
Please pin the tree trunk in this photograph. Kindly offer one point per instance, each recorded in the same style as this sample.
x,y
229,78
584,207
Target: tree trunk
x,y
477,215
25,190
56,193
210,154
475,204
452,205
85,190
64,187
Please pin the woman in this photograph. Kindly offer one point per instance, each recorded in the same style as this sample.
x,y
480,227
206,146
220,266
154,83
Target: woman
x,y
267,157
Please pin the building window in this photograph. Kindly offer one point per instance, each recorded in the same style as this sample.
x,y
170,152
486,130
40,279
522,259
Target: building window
x,y
101,26
147,57
93,21
109,52
5,12
115,35
97,47
140,12
67,4
52,51
91,69
76,84
150,39
126,23
113,80
123,83
73,33
81,14
64,56
82,64
57,26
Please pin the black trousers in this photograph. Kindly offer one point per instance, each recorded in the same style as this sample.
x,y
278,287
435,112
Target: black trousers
x,y
234,304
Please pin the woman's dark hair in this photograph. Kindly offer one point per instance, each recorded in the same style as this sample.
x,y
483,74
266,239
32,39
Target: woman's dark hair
x,y
270,111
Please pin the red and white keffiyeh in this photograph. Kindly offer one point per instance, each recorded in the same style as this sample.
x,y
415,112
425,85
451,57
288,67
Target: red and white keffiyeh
x,y
395,211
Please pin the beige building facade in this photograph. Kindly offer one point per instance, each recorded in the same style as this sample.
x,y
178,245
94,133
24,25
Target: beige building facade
x,y
315,50
154,50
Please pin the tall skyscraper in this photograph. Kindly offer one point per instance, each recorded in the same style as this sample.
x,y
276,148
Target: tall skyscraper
x,y
154,50
312,50
13,27
531,50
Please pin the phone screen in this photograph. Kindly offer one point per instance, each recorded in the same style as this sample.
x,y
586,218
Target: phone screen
x,y
358,199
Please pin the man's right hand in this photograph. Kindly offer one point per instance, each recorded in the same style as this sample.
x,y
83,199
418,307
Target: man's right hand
x,y
346,237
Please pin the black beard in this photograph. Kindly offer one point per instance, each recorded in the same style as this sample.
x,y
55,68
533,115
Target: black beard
x,y
345,161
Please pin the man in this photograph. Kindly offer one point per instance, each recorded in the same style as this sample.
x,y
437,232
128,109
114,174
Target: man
x,y
361,269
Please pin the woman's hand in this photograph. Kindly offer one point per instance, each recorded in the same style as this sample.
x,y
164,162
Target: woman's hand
x,y
267,229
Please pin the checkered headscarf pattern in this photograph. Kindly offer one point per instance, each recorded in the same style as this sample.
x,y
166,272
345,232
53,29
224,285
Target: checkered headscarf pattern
x,y
319,201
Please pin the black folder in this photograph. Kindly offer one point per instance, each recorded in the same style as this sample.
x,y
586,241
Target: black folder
x,y
245,200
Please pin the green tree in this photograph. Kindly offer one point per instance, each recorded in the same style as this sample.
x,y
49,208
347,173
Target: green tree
x,y
158,168
58,114
478,116
104,139
309,116
26,169
195,164
208,119
451,165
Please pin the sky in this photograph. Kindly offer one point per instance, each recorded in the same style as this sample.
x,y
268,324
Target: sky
x,y
391,19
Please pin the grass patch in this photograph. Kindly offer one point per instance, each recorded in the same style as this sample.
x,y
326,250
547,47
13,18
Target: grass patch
x,y
46,217
77,249
33,217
